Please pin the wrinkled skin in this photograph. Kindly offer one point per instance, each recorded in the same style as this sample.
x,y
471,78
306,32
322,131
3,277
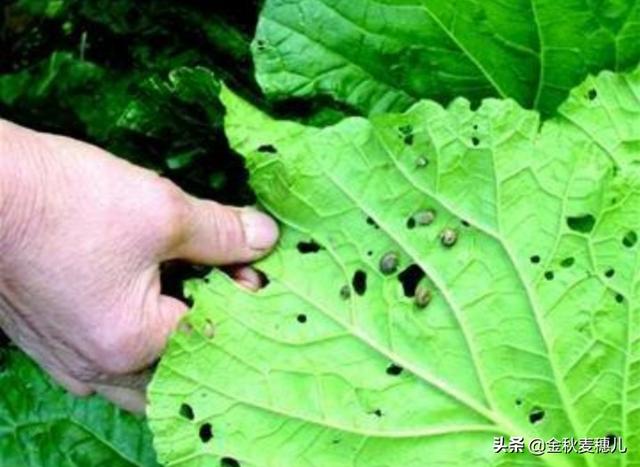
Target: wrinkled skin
x,y
82,235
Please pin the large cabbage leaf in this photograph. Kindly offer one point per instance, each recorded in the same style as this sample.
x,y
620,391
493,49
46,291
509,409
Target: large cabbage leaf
x,y
41,425
384,55
445,276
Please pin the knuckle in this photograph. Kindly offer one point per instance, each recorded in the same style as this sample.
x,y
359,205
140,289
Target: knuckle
x,y
174,210
227,226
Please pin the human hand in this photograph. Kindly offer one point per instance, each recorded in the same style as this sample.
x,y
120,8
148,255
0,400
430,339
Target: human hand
x,y
82,235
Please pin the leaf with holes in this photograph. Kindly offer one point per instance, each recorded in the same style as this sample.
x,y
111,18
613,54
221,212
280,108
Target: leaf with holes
x,y
42,425
384,55
445,276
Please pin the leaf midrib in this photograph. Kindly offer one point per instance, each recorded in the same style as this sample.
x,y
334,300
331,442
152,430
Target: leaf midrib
x,y
502,425
464,49
85,428
535,306
391,87
447,429
540,55
380,79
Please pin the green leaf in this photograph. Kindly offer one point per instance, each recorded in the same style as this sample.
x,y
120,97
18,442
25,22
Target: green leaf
x,y
64,89
385,55
42,425
188,95
77,71
342,360
48,8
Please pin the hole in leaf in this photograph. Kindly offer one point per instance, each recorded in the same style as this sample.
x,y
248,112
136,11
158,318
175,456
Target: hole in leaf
x,y
205,432
475,141
261,45
377,412
370,253
549,275
345,292
535,259
465,223
394,370
411,222
567,262
518,402
610,272
592,94
229,462
536,415
359,282
406,131
308,247
630,239
301,318
409,278
619,298
186,411
582,224
371,222
267,149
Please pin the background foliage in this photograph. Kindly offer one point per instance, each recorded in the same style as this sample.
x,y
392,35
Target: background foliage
x,y
136,79
97,70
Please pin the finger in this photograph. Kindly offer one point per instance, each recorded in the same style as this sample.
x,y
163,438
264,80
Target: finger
x,y
70,383
247,277
135,380
219,234
161,324
130,399
133,346
128,390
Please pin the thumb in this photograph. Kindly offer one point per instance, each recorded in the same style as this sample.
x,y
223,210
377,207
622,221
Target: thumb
x,y
131,399
218,234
